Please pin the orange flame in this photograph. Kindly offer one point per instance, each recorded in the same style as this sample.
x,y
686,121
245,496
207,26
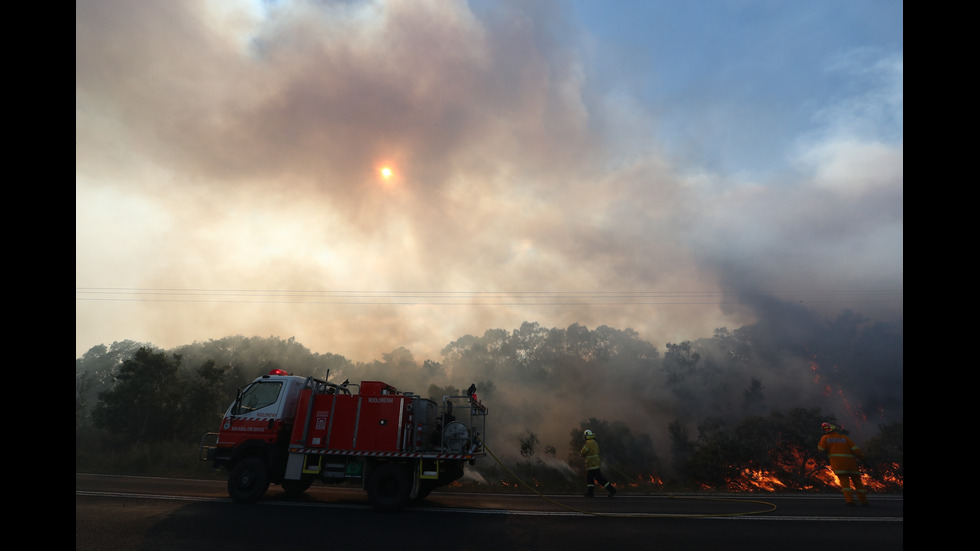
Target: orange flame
x,y
828,389
750,479
755,480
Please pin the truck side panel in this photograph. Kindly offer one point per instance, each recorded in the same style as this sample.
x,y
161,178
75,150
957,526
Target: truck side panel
x,y
342,423
380,426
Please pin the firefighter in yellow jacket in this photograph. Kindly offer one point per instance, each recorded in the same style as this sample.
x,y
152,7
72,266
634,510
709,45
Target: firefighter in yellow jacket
x,y
843,454
593,462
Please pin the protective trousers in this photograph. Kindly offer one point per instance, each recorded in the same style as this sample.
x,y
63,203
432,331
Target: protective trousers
x,y
592,476
850,483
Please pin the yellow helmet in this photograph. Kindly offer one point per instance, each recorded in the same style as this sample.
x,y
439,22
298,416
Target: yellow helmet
x,y
827,427
589,435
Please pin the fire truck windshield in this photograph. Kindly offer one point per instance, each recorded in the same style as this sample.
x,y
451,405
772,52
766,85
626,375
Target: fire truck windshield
x,y
258,396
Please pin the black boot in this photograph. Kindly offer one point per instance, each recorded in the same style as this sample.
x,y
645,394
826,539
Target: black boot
x,y
611,489
590,492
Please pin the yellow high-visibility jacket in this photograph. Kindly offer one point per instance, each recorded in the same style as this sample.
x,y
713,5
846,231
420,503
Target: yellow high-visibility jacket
x,y
591,454
842,451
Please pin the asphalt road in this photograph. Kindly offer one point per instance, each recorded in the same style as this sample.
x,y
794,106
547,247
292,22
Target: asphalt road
x,y
141,513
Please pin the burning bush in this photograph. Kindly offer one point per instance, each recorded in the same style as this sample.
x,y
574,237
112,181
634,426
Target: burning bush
x,y
779,453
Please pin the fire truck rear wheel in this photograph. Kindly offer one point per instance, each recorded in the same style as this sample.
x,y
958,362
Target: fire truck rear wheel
x,y
389,487
248,481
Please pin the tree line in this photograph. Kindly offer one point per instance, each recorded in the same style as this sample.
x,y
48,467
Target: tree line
x,y
699,414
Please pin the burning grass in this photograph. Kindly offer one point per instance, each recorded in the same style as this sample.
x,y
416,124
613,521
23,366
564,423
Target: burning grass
x,y
880,479
785,468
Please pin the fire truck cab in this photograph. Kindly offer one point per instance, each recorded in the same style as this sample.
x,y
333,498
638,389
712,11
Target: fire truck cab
x,y
294,431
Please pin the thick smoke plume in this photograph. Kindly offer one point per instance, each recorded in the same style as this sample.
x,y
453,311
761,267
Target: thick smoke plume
x,y
227,179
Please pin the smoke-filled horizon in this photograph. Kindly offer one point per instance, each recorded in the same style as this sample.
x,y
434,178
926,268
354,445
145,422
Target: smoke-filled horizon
x,y
665,168
551,382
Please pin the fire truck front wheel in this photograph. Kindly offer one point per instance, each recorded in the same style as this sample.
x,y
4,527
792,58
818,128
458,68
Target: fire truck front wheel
x,y
248,481
389,487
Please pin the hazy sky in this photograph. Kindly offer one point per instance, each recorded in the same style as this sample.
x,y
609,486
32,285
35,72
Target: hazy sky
x,y
662,166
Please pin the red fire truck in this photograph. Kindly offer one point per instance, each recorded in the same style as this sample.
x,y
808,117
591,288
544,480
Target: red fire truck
x,y
291,430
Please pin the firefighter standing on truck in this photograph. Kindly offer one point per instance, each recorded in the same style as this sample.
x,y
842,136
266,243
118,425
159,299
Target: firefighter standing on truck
x,y
843,454
593,462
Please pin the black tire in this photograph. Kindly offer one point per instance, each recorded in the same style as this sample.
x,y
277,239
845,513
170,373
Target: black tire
x,y
296,487
389,487
248,481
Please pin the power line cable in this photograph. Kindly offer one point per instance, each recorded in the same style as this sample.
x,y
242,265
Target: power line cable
x,y
460,298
